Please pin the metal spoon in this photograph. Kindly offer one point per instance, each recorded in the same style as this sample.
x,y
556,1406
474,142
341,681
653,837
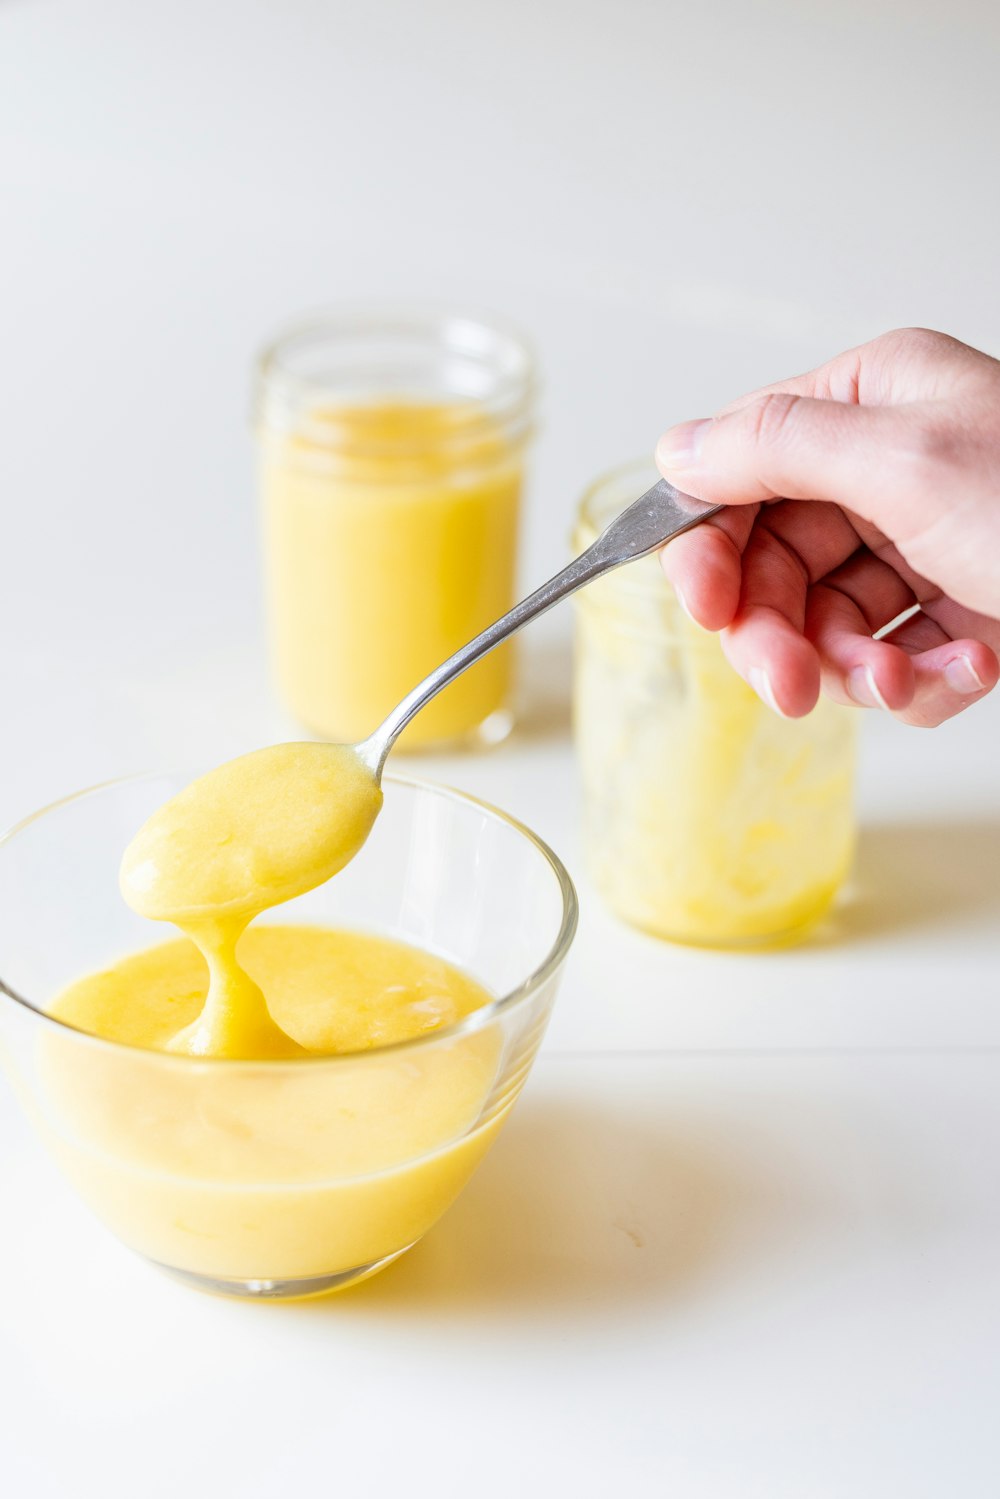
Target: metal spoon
x,y
662,513
198,860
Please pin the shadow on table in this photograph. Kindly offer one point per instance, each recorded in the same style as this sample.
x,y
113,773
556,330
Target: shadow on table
x,y
575,1208
927,876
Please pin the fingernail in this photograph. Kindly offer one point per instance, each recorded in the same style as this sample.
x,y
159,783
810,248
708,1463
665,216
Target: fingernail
x,y
681,446
684,604
963,676
761,684
862,688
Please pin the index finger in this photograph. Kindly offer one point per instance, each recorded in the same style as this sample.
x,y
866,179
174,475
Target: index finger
x,y
705,566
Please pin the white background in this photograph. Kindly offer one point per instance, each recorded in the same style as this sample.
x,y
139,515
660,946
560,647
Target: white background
x,y
741,1238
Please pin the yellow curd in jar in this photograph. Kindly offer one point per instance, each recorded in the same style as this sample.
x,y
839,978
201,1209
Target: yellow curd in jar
x,y
390,536
216,1139
707,819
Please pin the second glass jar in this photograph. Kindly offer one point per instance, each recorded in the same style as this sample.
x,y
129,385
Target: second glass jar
x,y
392,445
707,819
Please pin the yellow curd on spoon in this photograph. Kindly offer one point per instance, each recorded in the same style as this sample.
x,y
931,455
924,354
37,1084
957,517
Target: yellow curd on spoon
x,y
251,834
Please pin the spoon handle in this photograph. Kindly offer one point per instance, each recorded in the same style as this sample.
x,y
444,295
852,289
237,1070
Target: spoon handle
x,y
643,527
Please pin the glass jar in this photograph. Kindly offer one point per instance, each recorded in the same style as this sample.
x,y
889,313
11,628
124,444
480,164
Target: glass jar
x,y
392,446
707,818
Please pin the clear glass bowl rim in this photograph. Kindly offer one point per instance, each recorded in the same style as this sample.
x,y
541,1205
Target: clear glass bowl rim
x,y
475,1021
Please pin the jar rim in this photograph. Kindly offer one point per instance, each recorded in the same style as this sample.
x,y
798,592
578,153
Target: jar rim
x,y
497,357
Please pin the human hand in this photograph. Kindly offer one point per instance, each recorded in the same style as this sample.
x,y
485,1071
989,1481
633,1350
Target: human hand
x,y
860,490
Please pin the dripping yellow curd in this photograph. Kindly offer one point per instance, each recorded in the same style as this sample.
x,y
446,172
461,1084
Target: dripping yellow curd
x,y
216,1139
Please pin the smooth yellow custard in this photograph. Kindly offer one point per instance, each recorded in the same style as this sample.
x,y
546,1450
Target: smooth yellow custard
x,y
333,991
390,535
261,1119
251,834
287,1170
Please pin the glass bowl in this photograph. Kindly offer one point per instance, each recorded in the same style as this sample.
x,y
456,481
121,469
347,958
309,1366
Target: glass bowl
x,y
281,1179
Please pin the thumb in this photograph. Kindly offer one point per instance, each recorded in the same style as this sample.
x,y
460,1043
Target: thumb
x,y
797,448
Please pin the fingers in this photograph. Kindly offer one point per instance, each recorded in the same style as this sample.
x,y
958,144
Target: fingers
x,y
782,444
705,565
765,641
777,661
949,675
724,572
918,672
958,622
790,634
787,550
842,612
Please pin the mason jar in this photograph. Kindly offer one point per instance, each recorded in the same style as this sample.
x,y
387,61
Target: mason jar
x,y
392,446
707,818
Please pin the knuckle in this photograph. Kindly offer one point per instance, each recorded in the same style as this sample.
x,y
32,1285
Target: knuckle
x,y
929,447
916,342
771,418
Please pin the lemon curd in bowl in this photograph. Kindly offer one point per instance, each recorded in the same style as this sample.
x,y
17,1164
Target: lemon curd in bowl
x,y
416,986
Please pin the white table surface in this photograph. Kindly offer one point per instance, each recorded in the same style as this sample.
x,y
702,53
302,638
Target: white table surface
x,y
741,1239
